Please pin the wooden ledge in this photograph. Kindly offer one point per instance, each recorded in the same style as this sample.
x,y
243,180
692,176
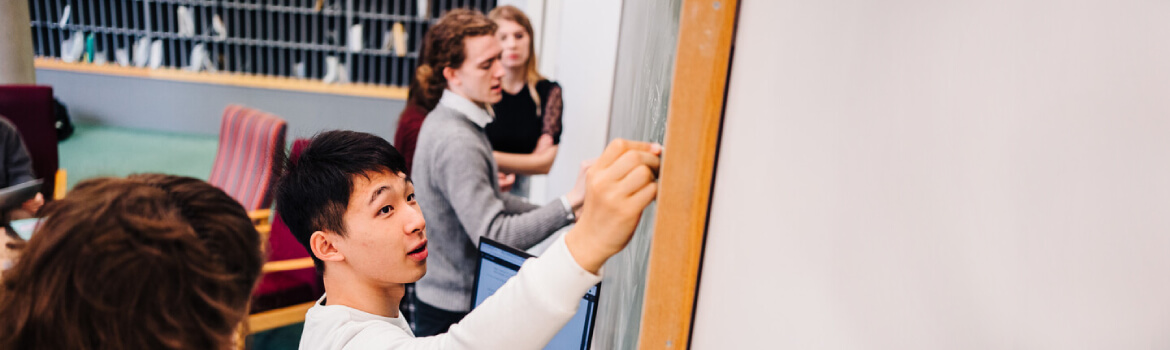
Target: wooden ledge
x,y
229,79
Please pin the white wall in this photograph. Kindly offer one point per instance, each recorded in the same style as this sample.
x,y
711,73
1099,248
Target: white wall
x,y
173,106
587,41
916,174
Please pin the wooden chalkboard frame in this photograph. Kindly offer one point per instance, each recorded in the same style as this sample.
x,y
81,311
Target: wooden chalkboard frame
x,y
702,63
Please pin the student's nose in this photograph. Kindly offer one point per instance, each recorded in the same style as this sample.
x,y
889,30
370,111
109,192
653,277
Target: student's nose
x,y
498,70
415,222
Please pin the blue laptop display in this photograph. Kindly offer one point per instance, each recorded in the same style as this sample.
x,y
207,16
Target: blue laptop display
x,y
499,262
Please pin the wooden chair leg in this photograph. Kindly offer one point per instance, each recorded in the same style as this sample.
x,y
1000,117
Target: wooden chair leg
x,y
59,187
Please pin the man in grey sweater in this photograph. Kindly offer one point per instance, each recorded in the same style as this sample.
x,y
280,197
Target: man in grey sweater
x,y
454,172
455,181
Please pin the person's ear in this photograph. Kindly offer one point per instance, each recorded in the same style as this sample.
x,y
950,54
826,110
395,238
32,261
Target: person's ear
x,y
449,73
324,247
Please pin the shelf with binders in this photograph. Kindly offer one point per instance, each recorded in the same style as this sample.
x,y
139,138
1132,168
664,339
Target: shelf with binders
x,y
290,38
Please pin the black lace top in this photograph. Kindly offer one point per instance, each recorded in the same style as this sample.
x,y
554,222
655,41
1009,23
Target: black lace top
x,y
517,127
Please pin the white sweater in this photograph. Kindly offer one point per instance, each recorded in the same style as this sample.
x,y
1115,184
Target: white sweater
x,y
523,314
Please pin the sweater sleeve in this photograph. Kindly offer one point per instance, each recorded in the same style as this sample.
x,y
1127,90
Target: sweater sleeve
x,y
466,178
525,313
516,204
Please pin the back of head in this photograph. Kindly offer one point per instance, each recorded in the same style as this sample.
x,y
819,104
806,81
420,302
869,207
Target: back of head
x,y
443,48
314,191
146,262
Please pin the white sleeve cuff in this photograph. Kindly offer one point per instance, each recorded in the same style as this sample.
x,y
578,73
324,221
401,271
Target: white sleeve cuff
x,y
568,208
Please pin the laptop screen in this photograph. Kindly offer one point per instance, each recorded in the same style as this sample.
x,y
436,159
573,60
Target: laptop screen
x,y
498,263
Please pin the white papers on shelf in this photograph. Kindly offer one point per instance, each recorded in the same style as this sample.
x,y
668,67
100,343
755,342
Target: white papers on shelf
x,y
198,58
343,74
65,16
209,65
335,71
156,54
142,52
186,22
331,74
355,38
73,48
219,30
101,57
299,70
122,57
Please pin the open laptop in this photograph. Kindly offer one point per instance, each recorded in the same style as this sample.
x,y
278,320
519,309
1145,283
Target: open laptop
x,y
499,262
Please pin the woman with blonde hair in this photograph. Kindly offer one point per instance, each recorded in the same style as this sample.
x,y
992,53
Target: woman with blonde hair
x,y
526,131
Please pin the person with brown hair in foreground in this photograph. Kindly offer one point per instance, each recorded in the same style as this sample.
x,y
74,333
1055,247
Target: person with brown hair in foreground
x,y
147,262
350,202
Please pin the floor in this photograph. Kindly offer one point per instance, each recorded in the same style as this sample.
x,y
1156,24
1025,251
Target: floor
x,y
96,151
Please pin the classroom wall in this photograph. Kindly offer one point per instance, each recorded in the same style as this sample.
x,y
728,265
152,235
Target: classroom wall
x,y
919,174
587,44
184,107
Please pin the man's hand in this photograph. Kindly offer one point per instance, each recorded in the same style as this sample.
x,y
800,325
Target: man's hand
x,y
619,186
506,181
27,209
34,204
576,196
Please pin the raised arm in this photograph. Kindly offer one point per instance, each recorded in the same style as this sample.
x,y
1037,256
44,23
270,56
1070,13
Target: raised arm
x,y
528,311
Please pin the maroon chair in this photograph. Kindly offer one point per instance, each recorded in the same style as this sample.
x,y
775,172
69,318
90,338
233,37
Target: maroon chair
x,y
30,108
245,161
292,287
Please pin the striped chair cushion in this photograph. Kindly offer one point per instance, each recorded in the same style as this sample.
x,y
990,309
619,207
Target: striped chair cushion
x,y
245,162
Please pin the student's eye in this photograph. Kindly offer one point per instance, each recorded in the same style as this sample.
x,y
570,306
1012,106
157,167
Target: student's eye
x,y
410,197
385,210
519,36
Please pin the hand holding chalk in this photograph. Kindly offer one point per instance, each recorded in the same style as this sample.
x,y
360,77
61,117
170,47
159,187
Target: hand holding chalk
x,y
619,186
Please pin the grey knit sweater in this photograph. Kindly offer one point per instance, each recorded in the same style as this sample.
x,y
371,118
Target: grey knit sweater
x,y
455,182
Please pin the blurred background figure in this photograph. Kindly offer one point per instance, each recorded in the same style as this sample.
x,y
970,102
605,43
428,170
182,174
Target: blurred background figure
x,y
526,130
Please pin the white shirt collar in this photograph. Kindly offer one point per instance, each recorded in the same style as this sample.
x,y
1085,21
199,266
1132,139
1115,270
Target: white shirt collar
x,y
472,110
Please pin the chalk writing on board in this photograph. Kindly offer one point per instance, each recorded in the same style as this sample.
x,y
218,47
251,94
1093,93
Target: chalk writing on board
x,y
645,65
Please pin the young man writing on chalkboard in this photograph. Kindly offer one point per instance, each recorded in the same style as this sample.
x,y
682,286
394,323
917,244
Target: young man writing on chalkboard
x,y
348,199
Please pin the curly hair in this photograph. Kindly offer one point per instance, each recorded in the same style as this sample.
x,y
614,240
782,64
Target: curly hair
x,y
443,48
146,262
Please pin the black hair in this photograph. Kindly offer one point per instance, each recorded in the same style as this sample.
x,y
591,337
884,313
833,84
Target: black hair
x,y
313,193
